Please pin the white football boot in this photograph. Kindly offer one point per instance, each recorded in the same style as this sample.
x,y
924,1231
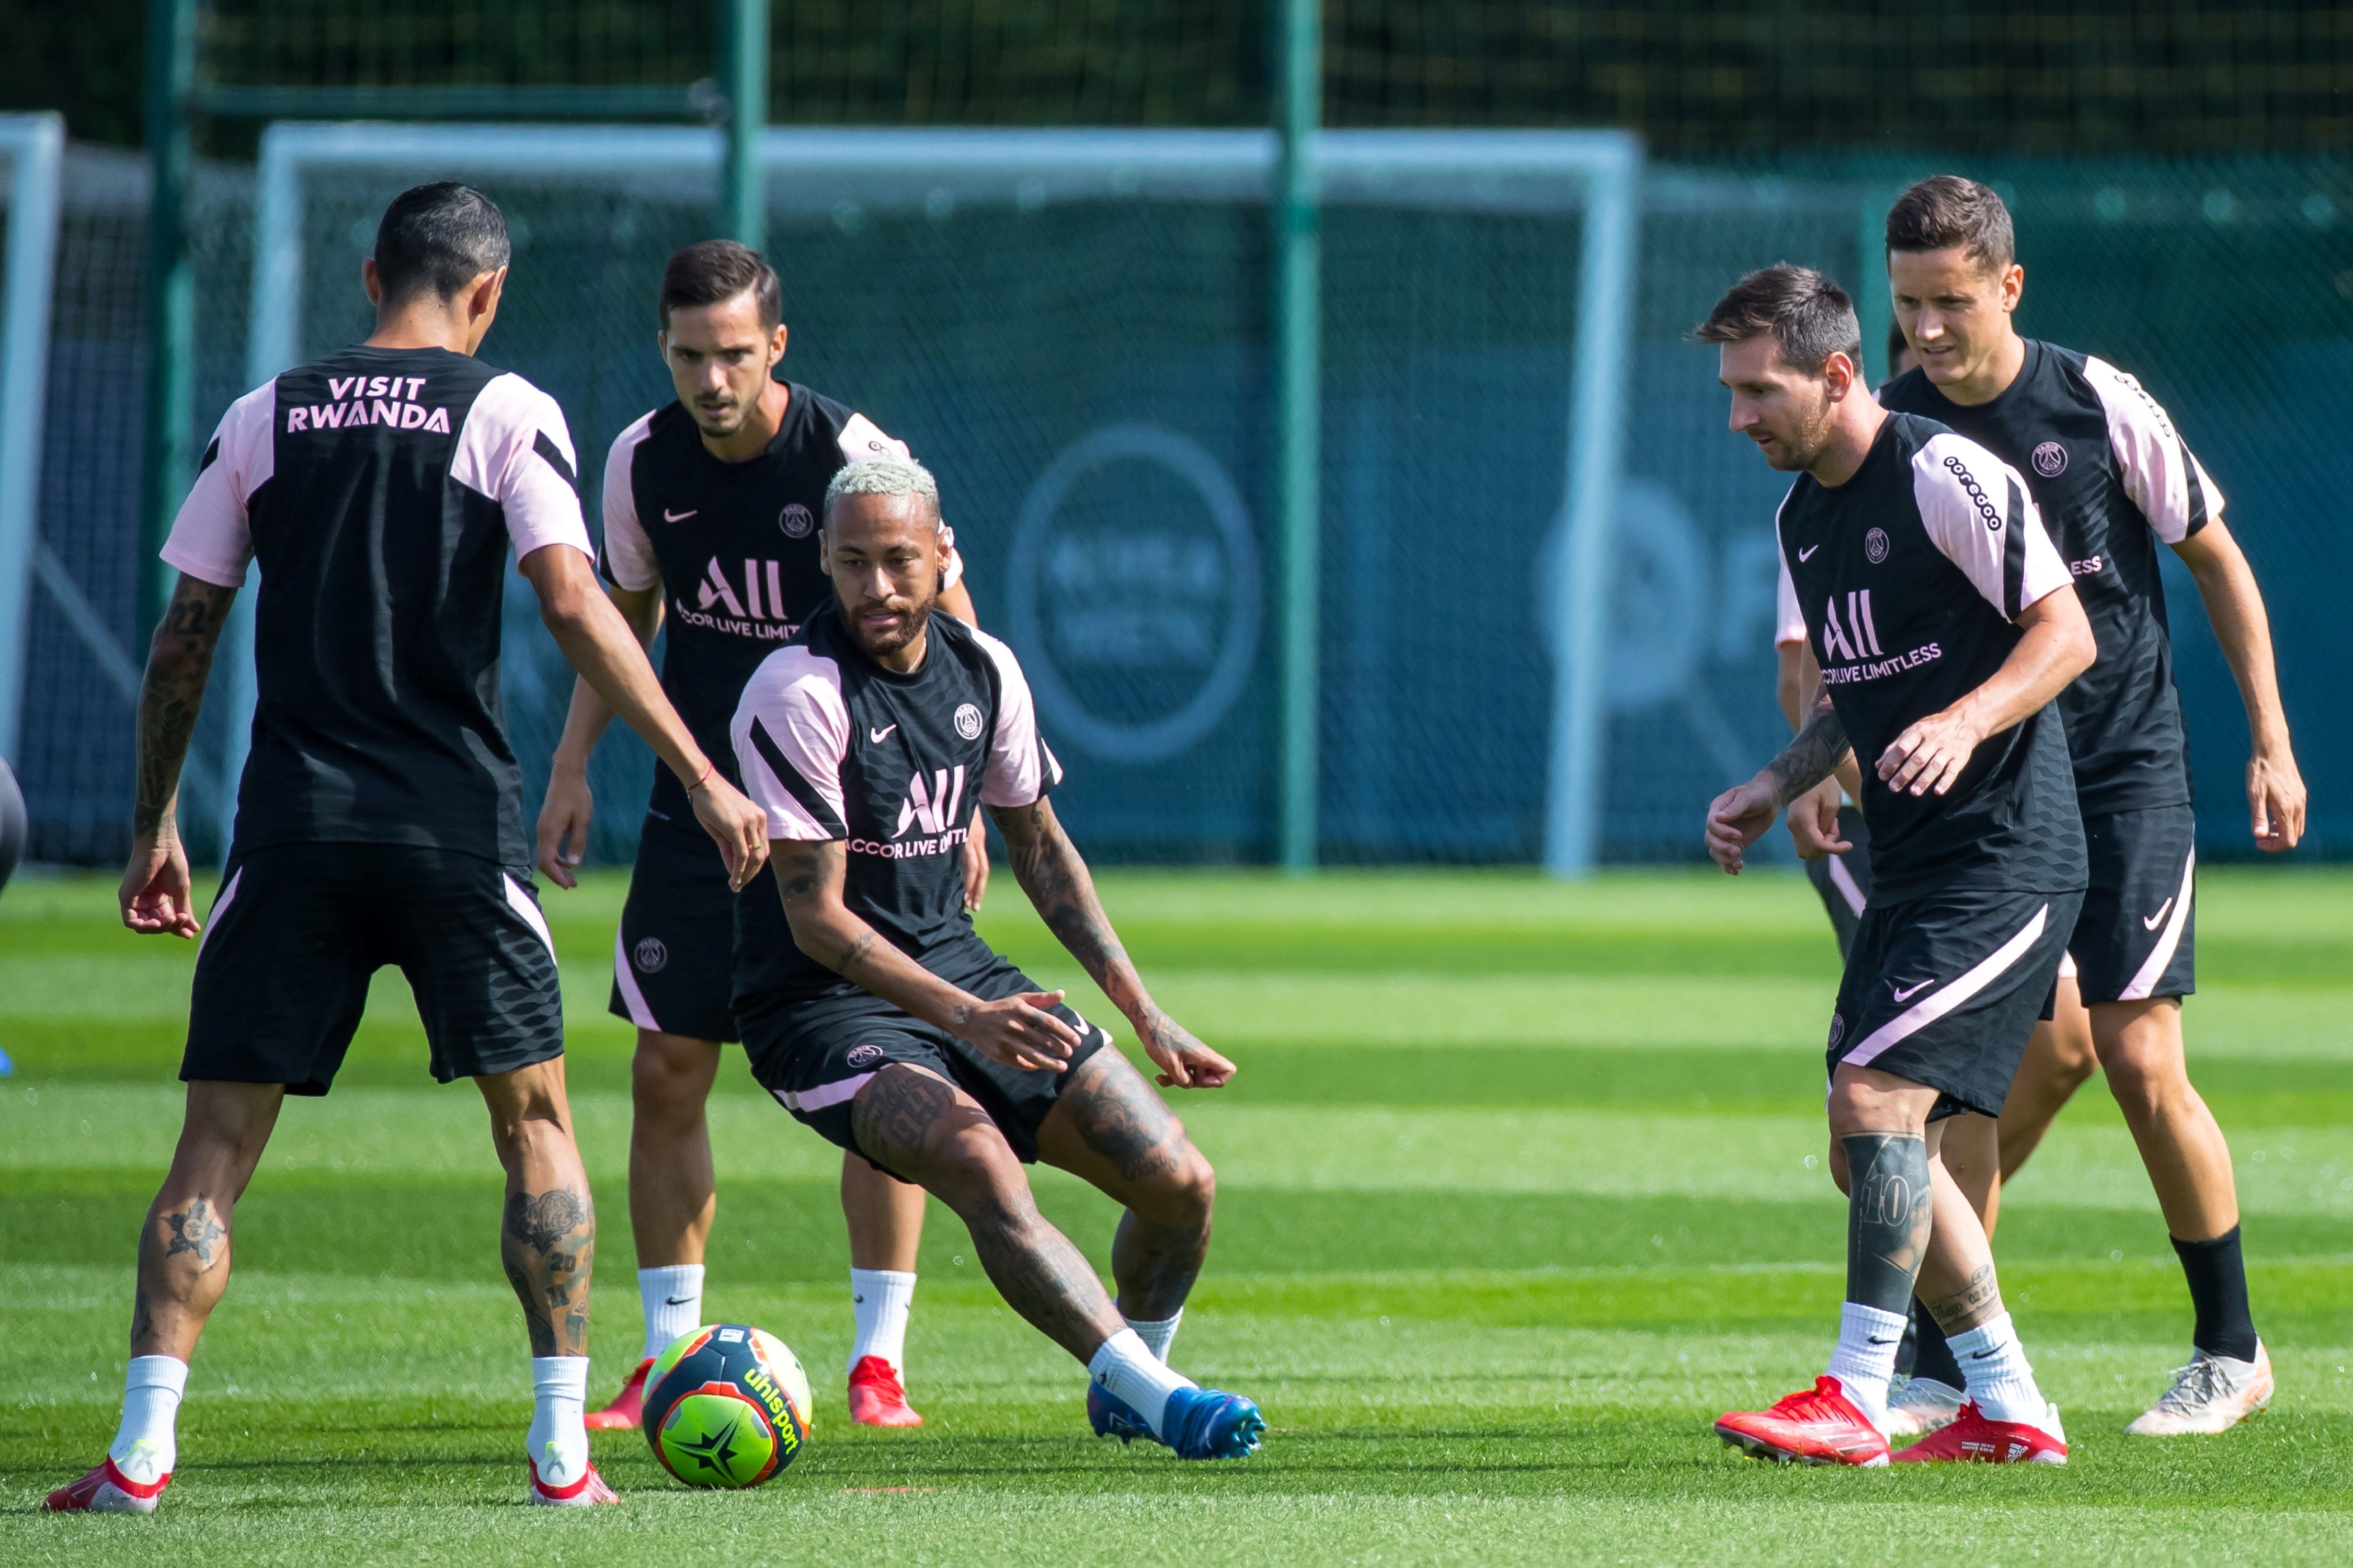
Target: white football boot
x,y
1919,1405
2212,1394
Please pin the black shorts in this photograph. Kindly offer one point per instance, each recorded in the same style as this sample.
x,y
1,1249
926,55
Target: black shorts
x,y
297,929
2137,934
1944,989
673,958
1843,881
815,1056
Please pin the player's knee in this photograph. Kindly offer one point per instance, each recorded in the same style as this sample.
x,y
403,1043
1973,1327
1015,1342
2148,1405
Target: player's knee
x,y
1182,1193
668,1085
2146,1082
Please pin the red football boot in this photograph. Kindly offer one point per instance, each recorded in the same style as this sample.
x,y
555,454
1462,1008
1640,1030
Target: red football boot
x,y
586,1493
107,1490
1818,1425
1973,1438
629,1406
876,1395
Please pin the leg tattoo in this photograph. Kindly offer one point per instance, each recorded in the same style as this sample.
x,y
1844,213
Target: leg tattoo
x,y
1887,1218
196,1229
1968,1305
893,1117
547,1244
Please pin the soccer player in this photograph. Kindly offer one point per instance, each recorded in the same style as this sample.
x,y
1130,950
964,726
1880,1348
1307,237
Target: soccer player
x,y
2114,477
380,816
711,506
1944,623
876,1015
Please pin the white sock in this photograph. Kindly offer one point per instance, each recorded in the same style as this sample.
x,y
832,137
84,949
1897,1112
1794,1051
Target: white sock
x,y
1131,1374
2001,1381
1865,1362
673,1303
880,1298
1157,1333
145,1446
559,1442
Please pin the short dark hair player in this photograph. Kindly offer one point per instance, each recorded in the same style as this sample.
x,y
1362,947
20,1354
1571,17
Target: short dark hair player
x,y
1944,624
2115,478
379,819
878,1017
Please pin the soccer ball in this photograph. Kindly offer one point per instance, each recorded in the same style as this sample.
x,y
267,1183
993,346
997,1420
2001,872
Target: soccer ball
x,y
726,1406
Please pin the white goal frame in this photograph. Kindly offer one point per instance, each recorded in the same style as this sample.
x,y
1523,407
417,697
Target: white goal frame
x,y
34,145
1597,172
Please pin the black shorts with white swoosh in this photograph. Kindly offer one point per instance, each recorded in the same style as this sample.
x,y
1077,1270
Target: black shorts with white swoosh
x,y
1944,989
2137,937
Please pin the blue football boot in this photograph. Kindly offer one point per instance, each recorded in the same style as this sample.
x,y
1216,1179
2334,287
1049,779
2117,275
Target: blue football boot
x,y
1205,1424
1113,1416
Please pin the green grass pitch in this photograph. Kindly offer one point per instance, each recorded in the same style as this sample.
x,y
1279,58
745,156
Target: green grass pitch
x,y
1521,1186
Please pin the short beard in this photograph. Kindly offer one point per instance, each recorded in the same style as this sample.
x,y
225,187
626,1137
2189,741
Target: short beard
x,y
913,628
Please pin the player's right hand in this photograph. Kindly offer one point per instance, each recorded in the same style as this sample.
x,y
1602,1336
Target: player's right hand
x,y
1018,1031
154,895
740,827
563,823
1738,818
1814,821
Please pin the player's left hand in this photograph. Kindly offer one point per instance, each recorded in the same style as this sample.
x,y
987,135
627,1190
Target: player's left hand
x,y
1814,821
2275,801
154,895
1738,818
1930,753
1184,1061
976,861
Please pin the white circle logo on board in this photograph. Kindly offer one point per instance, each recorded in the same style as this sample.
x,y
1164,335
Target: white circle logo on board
x,y
1136,613
650,955
968,721
1874,544
2051,459
796,522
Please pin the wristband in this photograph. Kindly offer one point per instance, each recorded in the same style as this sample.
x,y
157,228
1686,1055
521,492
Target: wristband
x,y
709,768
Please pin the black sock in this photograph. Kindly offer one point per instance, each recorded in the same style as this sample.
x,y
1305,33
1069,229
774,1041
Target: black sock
x,y
1934,1358
1907,1350
2217,1270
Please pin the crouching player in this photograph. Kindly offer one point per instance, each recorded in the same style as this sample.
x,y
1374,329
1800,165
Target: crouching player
x,y
872,1011
1944,623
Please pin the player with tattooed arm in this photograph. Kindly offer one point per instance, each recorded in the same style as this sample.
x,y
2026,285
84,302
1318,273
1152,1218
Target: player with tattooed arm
x,y
1944,624
874,1013
379,819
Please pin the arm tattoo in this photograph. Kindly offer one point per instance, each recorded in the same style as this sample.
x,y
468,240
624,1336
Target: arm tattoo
x,y
1887,1218
1812,754
178,662
1047,865
547,1244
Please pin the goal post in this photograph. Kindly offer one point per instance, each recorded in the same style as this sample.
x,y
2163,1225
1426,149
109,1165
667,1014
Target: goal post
x,y
1152,211
32,146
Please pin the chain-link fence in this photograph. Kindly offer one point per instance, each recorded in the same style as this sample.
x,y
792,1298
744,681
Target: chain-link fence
x,y
1001,339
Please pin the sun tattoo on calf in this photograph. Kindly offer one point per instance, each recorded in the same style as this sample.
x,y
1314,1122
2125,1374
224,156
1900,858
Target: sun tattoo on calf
x,y
547,1244
197,1229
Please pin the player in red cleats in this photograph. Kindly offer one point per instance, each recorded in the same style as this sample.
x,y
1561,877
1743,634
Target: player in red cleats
x,y
586,1493
629,1407
1973,1437
877,1398
1817,1426
106,1490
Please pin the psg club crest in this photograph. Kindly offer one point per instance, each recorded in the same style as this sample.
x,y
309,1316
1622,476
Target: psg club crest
x,y
968,721
650,955
2051,459
795,521
1874,544
864,1056
1838,1029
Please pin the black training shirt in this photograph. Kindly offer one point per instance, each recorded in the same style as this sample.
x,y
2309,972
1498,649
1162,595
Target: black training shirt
x,y
2112,478
379,491
1910,576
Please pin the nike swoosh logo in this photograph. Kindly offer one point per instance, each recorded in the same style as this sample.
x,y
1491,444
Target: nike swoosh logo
x,y
670,516
2153,921
1808,552
1981,1355
1911,991
678,1301
1881,1341
876,737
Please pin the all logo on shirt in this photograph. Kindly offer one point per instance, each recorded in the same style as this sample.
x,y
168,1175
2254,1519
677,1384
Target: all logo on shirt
x,y
757,612
933,809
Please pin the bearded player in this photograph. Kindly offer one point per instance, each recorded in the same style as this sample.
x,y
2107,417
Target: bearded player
x,y
877,1018
711,507
1944,624
2115,478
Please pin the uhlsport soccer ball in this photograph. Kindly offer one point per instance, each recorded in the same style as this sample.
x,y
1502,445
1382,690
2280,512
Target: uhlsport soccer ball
x,y
726,1406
